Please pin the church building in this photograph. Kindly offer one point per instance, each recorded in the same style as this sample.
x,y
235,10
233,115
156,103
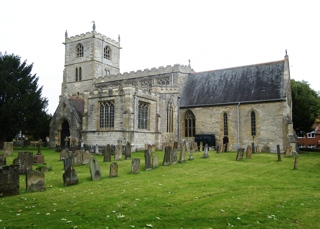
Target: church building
x,y
98,105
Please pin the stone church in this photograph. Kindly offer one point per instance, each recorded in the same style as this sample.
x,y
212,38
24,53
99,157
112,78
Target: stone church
x,y
99,105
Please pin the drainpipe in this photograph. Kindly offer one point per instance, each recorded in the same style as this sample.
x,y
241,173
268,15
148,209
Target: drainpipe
x,y
238,113
178,131
134,115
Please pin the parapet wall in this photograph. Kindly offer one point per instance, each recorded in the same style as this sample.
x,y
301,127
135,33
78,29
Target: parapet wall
x,y
89,35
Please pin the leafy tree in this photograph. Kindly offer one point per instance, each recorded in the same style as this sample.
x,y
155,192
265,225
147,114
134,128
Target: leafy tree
x,y
22,107
306,106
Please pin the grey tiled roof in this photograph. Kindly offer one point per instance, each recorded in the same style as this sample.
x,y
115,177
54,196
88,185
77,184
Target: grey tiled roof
x,y
78,105
246,84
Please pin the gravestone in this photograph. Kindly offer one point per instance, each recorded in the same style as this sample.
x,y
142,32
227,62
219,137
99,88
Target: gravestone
x,y
221,148
217,148
295,165
70,176
265,149
258,149
135,165
77,158
174,156
153,148
39,158
94,169
86,156
113,170
25,161
147,158
67,162
248,152
183,146
96,149
175,145
206,154
3,160
167,156
201,147
64,154
35,181
127,154
253,148
194,146
9,180
288,151
278,152
240,153
155,161
191,156
107,154
8,148
118,153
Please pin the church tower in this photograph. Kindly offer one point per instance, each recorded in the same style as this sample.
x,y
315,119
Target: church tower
x,y
87,57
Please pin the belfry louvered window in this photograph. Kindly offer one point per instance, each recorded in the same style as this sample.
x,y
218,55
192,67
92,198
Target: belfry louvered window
x,y
79,50
107,114
107,52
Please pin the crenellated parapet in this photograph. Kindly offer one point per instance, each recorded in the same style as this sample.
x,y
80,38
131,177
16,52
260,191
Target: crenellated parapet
x,y
90,35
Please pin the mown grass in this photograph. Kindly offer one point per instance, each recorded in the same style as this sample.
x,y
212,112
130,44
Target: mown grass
x,y
218,192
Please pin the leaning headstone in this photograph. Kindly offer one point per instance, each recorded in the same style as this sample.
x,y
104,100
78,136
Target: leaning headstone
x,y
70,176
288,151
113,169
64,154
8,148
174,156
205,154
35,181
155,161
9,180
86,156
183,146
127,154
135,165
67,162
240,153
248,152
3,160
147,157
94,169
118,153
107,154
167,156
25,161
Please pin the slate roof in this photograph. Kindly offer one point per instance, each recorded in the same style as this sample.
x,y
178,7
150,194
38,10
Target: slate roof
x,y
245,84
78,105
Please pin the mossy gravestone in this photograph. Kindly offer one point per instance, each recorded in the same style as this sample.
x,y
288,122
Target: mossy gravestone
x,y
94,169
70,176
35,181
9,180
25,161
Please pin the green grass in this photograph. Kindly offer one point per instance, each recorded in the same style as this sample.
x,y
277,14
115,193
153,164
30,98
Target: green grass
x,y
218,192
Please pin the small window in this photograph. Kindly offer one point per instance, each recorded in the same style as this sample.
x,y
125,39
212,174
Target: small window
x,y
253,123
107,52
107,114
80,74
79,50
77,74
190,124
143,115
225,124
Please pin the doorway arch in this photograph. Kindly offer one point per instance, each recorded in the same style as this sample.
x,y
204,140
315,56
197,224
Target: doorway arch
x,y
65,132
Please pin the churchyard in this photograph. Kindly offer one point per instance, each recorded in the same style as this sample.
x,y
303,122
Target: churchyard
x,y
214,190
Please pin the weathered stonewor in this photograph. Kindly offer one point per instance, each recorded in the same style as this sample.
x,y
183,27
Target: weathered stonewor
x,y
206,154
86,156
248,152
25,161
113,170
9,180
288,151
64,154
127,154
240,153
67,162
35,181
135,165
3,160
70,176
147,158
8,148
155,161
183,146
167,156
174,157
94,169
107,153
118,153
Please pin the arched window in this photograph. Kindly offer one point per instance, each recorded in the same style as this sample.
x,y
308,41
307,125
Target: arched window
x,y
79,50
143,115
80,74
77,74
225,124
107,52
170,118
107,114
253,123
190,124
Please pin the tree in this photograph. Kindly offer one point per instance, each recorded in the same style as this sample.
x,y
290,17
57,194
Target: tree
x,y
22,107
306,106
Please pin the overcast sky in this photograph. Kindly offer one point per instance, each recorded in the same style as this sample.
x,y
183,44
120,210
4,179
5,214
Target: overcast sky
x,y
212,34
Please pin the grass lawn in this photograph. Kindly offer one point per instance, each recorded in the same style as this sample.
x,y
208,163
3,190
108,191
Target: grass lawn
x,y
217,192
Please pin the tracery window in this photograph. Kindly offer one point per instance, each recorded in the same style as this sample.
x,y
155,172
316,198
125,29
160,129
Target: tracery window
x,y
253,123
79,50
190,124
170,118
107,114
225,124
107,52
143,115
